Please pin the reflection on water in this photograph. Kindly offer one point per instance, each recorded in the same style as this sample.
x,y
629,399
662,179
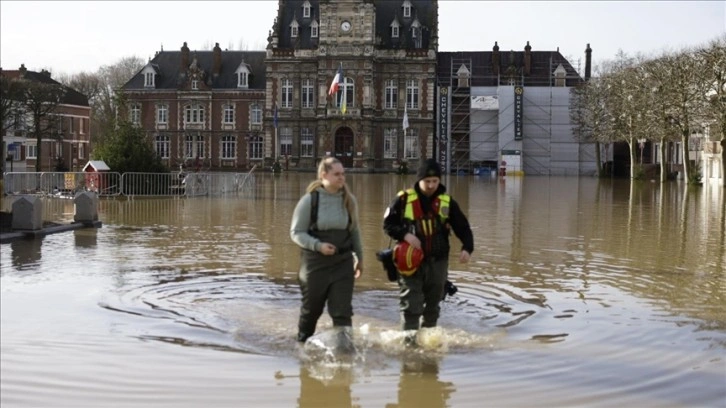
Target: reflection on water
x,y
581,292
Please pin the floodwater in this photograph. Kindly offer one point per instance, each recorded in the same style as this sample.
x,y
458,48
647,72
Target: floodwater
x,y
580,293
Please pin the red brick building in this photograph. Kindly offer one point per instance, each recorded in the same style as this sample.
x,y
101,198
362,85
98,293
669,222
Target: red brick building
x,y
201,109
66,145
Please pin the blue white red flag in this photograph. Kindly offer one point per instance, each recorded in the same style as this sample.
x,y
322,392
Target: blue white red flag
x,y
336,81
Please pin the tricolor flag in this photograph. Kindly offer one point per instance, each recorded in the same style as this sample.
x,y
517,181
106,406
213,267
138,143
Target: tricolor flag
x,y
405,118
336,81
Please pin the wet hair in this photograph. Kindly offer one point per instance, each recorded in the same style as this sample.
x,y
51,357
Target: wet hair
x,y
325,166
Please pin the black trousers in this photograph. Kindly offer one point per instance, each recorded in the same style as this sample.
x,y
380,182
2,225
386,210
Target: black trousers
x,y
421,293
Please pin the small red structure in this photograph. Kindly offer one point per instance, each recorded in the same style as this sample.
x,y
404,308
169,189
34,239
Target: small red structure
x,y
95,181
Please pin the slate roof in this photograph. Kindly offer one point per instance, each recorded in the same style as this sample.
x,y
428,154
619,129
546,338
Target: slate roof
x,y
168,67
386,12
71,96
479,64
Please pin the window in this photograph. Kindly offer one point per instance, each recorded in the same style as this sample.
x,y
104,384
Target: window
x,y
82,125
410,144
162,146
348,92
70,125
286,141
194,114
411,94
162,114
193,146
149,79
81,150
294,29
135,114
256,114
195,84
394,29
307,93
254,149
228,118
242,80
286,93
306,9
229,147
306,142
391,94
243,75
390,144
200,146
31,151
314,30
406,8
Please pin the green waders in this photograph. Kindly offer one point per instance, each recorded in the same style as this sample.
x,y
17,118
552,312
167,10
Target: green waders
x,y
326,277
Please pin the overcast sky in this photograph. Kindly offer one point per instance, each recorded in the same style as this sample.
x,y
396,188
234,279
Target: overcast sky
x,y
70,37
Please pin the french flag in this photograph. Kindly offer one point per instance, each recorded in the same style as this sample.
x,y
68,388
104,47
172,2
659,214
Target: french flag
x,y
336,81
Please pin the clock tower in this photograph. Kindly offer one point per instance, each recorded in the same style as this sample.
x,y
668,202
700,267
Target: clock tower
x,y
386,52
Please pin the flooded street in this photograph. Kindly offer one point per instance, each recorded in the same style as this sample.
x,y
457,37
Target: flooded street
x,y
580,292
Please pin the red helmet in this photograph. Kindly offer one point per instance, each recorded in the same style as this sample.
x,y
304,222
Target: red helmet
x,y
407,258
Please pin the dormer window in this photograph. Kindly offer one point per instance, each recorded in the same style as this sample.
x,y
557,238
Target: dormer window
x,y
314,30
406,9
243,75
149,74
560,74
195,84
294,27
306,9
395,27
149,80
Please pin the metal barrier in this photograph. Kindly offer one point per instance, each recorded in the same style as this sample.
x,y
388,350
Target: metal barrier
x,y
67,184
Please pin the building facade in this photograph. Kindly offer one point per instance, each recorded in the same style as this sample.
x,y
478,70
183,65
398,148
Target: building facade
x,y
66,142
510,110
396,98
385,52
201,109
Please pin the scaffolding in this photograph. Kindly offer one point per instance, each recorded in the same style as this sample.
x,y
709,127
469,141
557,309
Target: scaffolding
x,y
477,139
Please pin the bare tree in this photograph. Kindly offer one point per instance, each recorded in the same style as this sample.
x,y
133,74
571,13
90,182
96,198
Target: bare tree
x,y
40,101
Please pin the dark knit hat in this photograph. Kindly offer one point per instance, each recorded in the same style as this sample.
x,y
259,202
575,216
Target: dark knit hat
x,y
430,168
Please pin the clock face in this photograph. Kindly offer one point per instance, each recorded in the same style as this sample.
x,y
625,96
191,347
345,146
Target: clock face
x,y
345,26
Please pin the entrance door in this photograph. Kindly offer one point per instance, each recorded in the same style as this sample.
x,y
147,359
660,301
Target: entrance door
x,y
344,146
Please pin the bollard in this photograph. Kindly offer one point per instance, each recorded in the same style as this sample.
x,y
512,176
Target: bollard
x,y
27,213
85,205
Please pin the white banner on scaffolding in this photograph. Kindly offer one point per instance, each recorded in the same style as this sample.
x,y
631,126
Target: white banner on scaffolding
x,y
487,102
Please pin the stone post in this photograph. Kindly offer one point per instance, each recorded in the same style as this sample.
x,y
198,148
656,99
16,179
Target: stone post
x,y
27,213
85,205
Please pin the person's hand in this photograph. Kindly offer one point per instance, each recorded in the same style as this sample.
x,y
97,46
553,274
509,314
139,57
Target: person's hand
x,y
464,256
358,270
412,240
327,248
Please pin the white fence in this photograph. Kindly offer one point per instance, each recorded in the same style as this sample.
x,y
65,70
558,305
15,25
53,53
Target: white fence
x,y
67,184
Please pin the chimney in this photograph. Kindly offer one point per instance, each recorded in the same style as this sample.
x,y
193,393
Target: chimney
x,y
184,57
527,59
216,60
588,62
23,70
495,59
45,72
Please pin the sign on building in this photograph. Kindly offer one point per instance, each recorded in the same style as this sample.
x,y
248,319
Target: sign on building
x,y
518,114
443,128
